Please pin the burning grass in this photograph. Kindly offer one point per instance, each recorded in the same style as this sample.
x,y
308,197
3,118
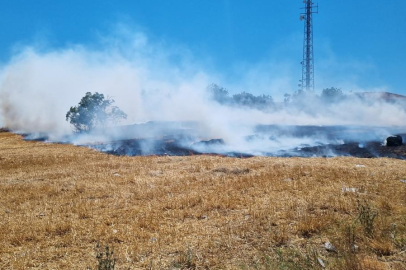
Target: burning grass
x,y
198,212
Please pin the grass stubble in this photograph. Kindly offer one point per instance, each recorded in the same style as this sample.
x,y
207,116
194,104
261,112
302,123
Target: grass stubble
x,y
197,212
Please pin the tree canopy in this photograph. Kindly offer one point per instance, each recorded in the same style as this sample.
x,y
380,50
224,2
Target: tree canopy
x,y
93,110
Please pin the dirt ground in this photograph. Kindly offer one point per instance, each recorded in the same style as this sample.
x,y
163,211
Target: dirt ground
x,y
58,202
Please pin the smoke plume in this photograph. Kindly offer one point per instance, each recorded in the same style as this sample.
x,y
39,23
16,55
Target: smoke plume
x,y
151,82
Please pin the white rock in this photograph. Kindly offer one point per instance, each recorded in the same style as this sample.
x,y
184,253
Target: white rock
x,y
330,247
403,181
360,166
321,262
349,189
153,239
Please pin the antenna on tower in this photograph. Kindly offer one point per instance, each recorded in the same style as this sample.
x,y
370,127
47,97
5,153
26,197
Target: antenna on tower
x,y
307,81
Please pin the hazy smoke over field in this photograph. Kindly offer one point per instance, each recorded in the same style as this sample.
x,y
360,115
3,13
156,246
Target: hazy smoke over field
x,y
153,83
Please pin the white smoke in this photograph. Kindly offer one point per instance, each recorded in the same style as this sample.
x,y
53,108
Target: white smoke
x,y
151,82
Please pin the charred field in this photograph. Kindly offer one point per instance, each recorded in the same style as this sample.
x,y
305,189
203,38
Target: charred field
x,y
175,147
185,139
58,201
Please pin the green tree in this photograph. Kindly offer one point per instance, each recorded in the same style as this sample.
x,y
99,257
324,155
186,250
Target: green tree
x,y
93,110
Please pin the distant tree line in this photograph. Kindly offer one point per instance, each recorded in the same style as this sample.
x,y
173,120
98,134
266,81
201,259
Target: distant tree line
x,y
243,99
299,99
95,110
328,96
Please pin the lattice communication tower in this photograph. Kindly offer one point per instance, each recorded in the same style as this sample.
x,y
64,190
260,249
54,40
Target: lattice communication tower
x,y
307,81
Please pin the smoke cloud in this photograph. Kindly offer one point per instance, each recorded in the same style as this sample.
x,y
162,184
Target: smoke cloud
x,y
152,81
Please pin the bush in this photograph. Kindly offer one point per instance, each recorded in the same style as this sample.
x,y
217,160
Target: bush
x,y
366,216
106,260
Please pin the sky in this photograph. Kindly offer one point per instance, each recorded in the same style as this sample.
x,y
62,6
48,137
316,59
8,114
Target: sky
x,y
359,45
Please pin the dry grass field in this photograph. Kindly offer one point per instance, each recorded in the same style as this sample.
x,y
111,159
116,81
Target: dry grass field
x,y
198,212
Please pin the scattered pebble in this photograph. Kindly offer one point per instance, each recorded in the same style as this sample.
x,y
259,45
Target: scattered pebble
x,y
321,262
116,174
115,231
203,217
349,189
360,166
330,247
153,239
355,248
288,179
403,181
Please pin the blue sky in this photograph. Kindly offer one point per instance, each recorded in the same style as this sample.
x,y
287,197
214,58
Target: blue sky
x,y
357,43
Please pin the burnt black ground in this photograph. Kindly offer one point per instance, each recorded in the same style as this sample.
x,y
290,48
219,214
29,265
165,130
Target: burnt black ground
x,y
147,147
181,139
353,149
138,147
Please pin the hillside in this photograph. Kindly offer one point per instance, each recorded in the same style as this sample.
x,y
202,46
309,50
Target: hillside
x,y
197,212
382,96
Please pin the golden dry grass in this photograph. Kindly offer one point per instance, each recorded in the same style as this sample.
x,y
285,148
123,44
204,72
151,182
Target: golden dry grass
x,y
203,212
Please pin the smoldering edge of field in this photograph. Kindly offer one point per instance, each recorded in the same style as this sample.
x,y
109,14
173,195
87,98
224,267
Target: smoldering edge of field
x,y
185,138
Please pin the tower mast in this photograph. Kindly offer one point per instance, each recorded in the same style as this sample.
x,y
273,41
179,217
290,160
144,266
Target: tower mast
x,y
307,82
